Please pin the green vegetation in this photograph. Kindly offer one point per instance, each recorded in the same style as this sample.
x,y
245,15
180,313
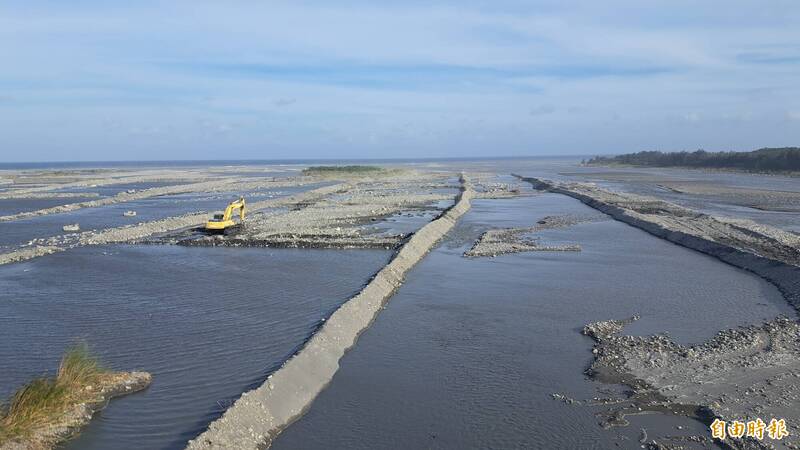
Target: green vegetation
x,y
43,399
763,160
342,170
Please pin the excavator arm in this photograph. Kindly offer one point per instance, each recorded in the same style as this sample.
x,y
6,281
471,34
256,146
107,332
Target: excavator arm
x,y
238,206
224,222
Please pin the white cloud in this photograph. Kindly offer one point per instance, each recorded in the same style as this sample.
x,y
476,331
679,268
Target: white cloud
x,y
429,74
542,110
692,117
284,102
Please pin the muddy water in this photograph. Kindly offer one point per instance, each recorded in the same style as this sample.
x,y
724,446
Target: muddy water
x,y
750,196
752,189
21,231
469,351
209,323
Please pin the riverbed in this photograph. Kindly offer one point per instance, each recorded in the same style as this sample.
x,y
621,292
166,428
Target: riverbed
x,y
469,352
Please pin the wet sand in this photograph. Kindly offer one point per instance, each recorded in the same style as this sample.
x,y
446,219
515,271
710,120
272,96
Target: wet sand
x,y
742,374
524,239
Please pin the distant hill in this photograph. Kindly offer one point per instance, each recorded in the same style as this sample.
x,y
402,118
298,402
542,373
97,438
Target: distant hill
x,y
785,159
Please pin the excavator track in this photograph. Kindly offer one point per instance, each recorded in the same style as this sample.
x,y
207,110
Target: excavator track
x,y
230,231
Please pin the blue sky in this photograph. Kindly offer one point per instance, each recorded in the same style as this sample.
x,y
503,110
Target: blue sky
x,y
102,80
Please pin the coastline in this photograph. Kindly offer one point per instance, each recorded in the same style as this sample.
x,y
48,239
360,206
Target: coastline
x,y
788,174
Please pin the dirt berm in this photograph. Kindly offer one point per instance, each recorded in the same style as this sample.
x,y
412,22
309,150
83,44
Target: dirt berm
x,y
131,233
261,414
205,186
766,251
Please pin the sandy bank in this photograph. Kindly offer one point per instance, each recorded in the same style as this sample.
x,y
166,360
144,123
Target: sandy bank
x,y
517,240
299,241
132,233
742,374
48,182
370,213
206,186
54,195
259,415
78,415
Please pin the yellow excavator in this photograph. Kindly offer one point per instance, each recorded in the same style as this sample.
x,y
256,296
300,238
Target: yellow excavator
x,y
223,222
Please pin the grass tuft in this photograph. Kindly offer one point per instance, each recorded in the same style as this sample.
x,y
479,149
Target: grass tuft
x,y
79,368
41,400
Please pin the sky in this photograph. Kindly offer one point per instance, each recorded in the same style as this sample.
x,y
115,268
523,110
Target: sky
x,y
198,79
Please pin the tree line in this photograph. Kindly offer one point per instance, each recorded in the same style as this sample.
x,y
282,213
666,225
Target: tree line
x,y
786,159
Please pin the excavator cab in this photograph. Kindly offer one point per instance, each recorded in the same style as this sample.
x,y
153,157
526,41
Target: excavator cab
x,y
223,222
